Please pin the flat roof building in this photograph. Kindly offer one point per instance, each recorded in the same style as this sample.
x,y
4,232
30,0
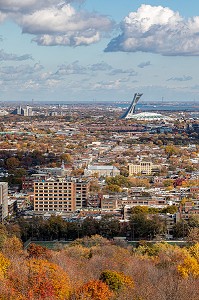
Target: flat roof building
x,y
142,168
101,171
60,194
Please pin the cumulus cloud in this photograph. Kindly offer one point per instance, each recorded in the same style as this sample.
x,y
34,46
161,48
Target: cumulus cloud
x,y
3,16
9,73
24,6
109,85
157,29
74,68
102,66
144,64
130,72
54,23
184,78
63,25
10,56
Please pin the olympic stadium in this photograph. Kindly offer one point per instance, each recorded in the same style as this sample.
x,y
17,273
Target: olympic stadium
x,y
131,114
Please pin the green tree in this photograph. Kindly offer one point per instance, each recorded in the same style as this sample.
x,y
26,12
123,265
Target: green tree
x,y
113,188
143,226
139,210
181,229
119,180
172,209
116,280
90,226
109,226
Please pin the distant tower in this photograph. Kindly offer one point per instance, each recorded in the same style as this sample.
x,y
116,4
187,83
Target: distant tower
x,y
131,110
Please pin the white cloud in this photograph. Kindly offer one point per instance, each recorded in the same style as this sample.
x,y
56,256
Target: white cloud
x,y
2,17
183,78
54,23
19,73
157,29
130,72
144,64
10,56
63,25
76,68
102,66
107,85
73,68
13,6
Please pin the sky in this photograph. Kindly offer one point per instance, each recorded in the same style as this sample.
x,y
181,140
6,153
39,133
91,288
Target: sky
x,y
99,50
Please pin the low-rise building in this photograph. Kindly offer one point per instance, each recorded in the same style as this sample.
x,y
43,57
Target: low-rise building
x,y
101,171
142,168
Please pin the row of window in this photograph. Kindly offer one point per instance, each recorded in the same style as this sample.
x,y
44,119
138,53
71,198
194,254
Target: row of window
x,y
47,209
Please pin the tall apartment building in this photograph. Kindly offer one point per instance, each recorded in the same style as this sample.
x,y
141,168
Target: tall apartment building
x,y
27,111
60,194
81,191
3,200
142,168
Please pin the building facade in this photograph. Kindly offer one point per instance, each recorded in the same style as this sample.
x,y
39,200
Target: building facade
x,y
3,200
142,168
60,194
101,171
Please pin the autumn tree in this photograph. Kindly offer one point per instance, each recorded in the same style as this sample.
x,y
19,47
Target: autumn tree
x,y
47,281
93,290
116,280
193,235
4,264
37,251
12,247
189,267
12,163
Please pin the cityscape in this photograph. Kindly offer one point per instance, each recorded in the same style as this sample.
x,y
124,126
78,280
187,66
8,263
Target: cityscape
x,y
99,171
99,150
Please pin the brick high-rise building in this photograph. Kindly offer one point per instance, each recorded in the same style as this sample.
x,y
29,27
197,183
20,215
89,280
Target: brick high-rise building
x,y
60,194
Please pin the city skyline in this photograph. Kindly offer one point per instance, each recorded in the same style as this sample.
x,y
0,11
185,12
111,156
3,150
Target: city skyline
x,y
94,50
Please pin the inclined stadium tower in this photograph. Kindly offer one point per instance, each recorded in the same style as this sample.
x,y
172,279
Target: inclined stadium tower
x,y
131,110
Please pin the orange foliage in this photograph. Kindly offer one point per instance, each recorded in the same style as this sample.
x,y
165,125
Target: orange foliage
x,y
93,290
48,281
36,251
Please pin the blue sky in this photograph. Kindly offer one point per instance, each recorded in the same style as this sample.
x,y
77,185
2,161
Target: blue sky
x,y
99,50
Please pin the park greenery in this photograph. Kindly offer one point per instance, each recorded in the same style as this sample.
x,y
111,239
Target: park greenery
x,y
144,223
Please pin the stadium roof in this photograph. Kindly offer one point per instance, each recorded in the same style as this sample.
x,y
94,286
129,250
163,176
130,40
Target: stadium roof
x,y
149,116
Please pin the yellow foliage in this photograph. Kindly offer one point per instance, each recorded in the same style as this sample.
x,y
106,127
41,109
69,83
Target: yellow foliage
x,y
77,251
194,251
190,266
117,280
4,264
